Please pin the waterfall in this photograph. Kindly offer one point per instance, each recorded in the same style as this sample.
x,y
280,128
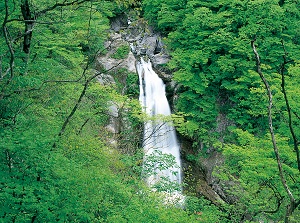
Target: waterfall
x,y
159,136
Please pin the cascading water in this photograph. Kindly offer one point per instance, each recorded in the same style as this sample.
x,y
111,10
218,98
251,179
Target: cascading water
x,y
159,136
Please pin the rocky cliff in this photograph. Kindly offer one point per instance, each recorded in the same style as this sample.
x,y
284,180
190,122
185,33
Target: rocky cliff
x,y
131,38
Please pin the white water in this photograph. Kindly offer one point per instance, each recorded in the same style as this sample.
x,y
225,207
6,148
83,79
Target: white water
x,y
158,135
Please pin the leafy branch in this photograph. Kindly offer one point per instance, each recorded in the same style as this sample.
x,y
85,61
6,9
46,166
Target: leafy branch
x,y
63,4
292,204
288,107
83,92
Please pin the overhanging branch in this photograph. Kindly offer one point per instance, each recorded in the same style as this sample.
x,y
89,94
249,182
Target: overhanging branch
x,y
292,205
83,92
65,3
288,108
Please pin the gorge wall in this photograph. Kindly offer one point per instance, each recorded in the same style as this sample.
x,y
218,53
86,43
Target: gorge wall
x,y
132,37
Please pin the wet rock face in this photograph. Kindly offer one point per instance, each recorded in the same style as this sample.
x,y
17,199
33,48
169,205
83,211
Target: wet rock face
x,y
142,41
119,22
110,63
141,38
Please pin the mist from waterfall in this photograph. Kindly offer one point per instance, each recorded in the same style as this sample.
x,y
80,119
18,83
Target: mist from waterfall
x,y
159,136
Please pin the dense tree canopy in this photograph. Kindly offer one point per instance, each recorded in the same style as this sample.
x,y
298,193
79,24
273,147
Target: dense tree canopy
x,y
56,164
214,64
237,66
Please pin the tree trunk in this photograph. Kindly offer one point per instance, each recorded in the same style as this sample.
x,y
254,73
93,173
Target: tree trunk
x,y
288,107
29,23
292,205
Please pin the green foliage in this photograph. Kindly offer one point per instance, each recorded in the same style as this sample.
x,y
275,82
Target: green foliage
x,y
250,164
164,14
121,52
220,90
157,162
212,57
132,81
76,176
79,177
205,211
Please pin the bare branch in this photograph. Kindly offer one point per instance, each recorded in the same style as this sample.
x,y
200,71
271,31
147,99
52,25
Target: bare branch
x,y
54,81
279,198
298,116
41,86
10,47
288,108
154,130
291,207
86,84
88,119
75,2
